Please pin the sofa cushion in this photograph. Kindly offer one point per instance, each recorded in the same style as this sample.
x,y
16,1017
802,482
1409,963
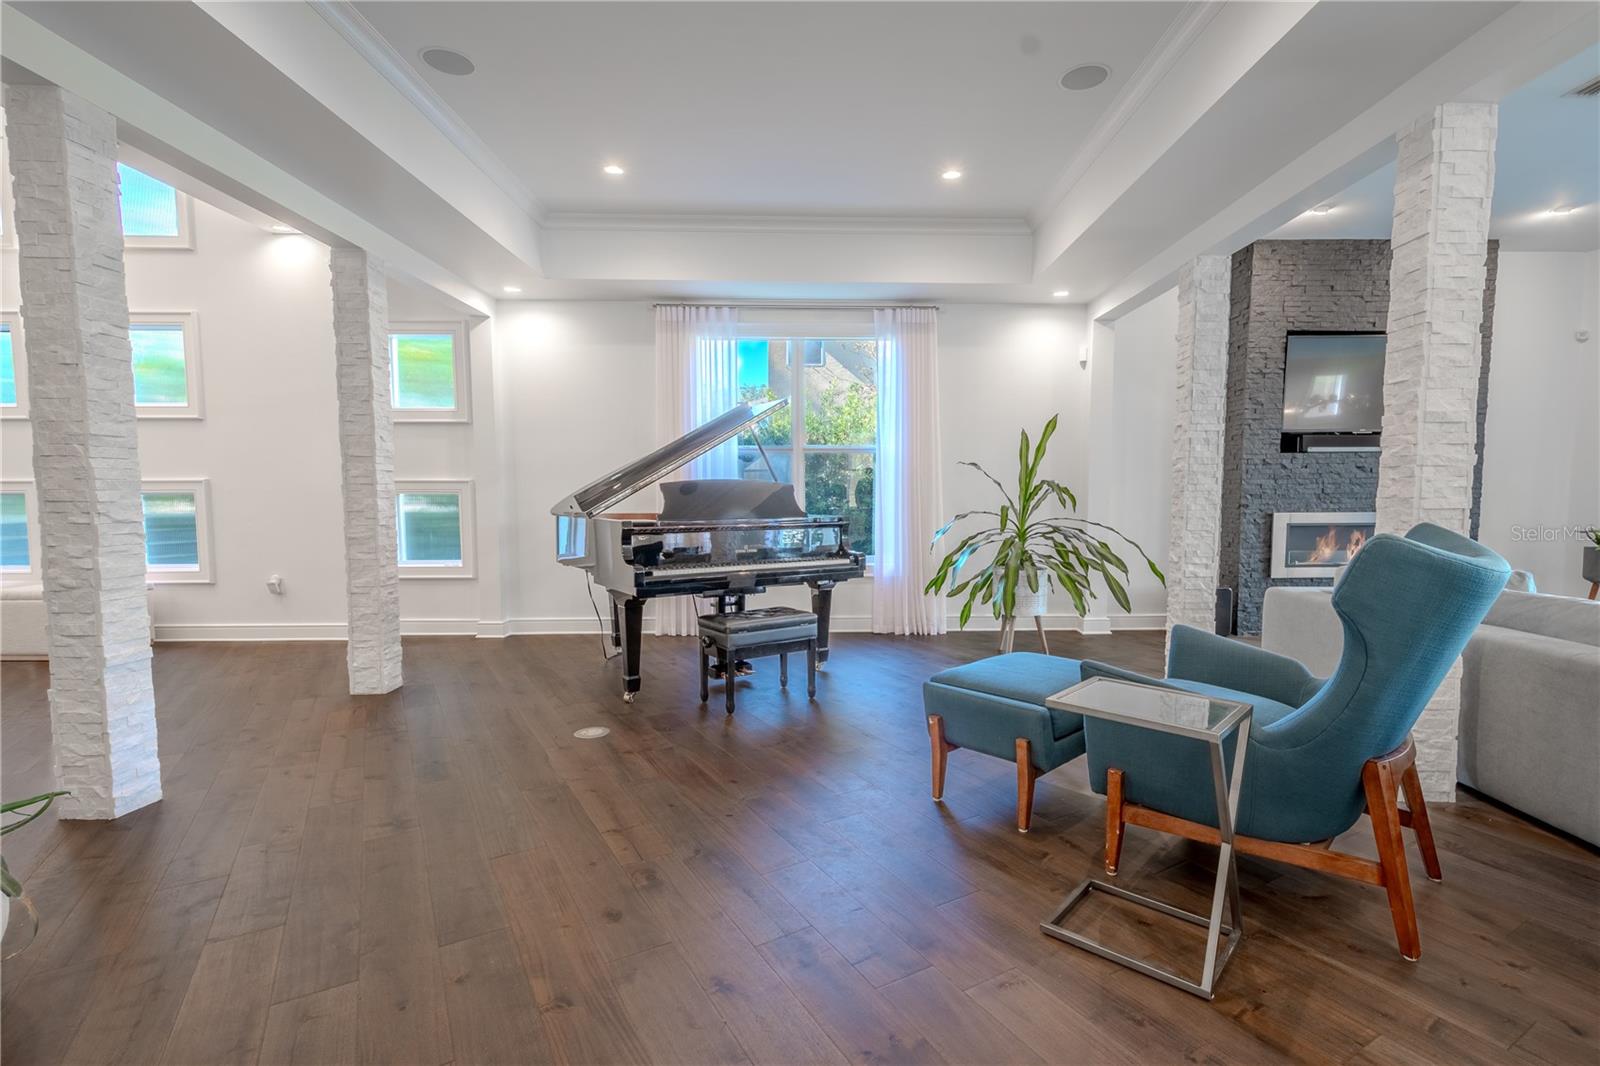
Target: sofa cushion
x,y
1561,617
1024,676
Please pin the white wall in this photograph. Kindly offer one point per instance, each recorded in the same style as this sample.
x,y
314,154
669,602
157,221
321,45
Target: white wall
x,y
268,443
580,379
1144,398
1541,465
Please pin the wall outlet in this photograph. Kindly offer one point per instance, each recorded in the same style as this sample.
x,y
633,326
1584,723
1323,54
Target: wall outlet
x,y
275,585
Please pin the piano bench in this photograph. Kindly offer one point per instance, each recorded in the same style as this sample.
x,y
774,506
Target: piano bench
x,y
751,634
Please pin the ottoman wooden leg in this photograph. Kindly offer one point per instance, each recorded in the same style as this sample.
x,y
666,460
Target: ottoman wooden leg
x,y
705,674
783,669
1026,775
811,670
939,748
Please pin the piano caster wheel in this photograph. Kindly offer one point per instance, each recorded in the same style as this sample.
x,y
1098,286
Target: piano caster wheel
x,y
628,697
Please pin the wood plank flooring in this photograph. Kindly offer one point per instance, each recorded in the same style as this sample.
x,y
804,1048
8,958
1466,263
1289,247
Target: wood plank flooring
x,y
446,875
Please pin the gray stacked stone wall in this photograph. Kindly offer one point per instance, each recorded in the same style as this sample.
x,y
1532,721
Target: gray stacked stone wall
x,y
1279,287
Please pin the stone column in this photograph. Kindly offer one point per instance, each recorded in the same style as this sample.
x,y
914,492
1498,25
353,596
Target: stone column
x,y
1444,182
366,450
1198,423
85,450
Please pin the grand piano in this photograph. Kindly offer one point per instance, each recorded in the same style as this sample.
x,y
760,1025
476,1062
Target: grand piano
x,y
721,538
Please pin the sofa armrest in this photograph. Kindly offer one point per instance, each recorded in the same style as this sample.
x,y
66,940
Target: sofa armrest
x,y
1195,655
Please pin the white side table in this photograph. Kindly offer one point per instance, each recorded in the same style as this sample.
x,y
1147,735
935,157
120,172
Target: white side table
x,y
1208,721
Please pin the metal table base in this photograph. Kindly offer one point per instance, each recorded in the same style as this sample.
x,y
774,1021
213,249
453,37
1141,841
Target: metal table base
x,y
1226,890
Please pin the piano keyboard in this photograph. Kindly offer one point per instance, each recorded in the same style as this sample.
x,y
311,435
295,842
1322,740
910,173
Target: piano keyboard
x,y
670,570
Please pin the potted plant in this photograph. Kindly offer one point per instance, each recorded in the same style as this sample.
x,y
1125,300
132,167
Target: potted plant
x,y
1591,561
10,887
1033,549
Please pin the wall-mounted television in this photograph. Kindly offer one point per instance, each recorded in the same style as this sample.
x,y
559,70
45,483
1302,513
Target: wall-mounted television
x,y
1332,390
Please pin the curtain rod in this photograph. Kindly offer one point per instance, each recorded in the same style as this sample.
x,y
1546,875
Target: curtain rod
x,y
797,305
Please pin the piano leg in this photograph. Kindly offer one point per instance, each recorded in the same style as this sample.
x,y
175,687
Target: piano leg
x,y
632,611
821,605
616,626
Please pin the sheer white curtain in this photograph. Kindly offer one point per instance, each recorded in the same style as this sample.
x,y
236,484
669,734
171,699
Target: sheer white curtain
x,y
908,484
697,378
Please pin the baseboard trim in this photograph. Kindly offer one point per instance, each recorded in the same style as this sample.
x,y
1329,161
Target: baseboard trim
x,y
532,627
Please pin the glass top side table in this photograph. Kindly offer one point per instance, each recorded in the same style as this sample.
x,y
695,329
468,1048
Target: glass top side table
x,y
1205,720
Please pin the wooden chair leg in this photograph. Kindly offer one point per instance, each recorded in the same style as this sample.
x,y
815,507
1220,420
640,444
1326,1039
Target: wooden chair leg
x,y
939,748
1417,806
1378,779
1026,775
1114,822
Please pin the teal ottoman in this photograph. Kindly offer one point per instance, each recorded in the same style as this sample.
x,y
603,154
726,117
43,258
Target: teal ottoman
x,y
996,706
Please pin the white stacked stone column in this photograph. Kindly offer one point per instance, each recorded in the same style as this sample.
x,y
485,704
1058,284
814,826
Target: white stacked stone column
x,y
366,447
1194,543
85,450
1444,184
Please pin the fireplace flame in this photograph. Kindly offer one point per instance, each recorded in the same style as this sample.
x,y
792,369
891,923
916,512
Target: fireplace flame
x,y
1329,548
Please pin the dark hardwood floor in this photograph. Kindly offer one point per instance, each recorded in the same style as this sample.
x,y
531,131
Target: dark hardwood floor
x,y
447,875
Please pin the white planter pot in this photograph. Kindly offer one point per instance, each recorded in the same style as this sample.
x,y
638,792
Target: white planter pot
x,y
5,914
1030,604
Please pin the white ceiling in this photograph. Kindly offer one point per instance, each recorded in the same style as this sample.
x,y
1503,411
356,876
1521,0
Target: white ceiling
x,y
1547,155
781,107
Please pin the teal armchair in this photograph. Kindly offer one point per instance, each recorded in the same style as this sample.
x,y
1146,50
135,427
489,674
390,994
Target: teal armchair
x,y
1322,752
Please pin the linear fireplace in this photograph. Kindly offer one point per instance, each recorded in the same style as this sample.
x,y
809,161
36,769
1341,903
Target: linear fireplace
x,y
1317,544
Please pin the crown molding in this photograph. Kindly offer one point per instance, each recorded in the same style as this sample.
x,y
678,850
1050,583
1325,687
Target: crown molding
x,y
1179,36
384,58
875,225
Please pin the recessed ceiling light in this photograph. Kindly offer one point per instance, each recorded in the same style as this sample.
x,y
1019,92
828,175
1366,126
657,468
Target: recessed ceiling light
x,y
1564,209
279,227
447,61
1320,209
1084,77
1059,293
614,170
951,174
511,289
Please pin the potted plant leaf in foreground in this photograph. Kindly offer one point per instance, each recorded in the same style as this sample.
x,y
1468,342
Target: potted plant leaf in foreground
x,y
10,887
1037,543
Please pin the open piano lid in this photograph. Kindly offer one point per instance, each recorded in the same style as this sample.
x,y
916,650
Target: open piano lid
x,y
642,473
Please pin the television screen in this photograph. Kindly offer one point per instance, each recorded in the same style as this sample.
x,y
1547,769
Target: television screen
x,y
1333,383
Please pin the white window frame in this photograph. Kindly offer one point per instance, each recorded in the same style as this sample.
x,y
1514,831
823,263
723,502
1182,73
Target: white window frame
x,y
189,322
797,421
183,242
469,530
462,411
203,574
30,496
19,361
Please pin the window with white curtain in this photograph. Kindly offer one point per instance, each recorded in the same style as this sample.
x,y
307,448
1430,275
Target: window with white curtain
x,y
826,442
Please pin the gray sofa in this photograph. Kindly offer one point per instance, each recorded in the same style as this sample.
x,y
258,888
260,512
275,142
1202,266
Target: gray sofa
x,y
1530,697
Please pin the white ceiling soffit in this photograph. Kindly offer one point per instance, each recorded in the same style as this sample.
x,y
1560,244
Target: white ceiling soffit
x,y
188,91
1547,158
1491,48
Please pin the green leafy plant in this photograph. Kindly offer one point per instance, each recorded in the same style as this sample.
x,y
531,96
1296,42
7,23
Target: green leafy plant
x,y
1031,545
1594,536
29,809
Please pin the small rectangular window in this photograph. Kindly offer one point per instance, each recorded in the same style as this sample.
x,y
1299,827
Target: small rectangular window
x,y
166,364
150,207
19,530
428,372
13,367
434,528
176,531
